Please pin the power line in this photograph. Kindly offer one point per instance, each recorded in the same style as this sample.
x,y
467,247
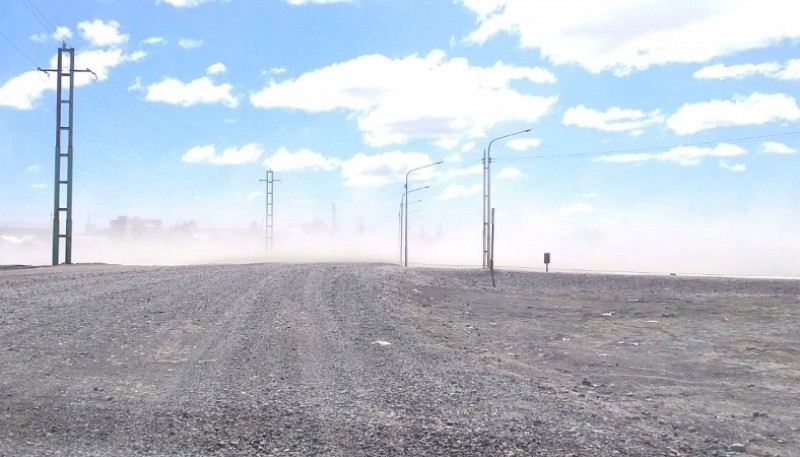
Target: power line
x,y
651,149
119,86
37,13
126,114
18,49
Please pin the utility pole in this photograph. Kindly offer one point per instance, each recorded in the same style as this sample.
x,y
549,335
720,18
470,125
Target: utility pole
x,y
486,202
268,226
64,53
487,196
400,215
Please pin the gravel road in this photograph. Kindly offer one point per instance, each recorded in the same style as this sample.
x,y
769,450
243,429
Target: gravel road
x,y
364,359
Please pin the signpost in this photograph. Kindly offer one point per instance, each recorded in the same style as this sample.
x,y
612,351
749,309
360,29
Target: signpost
x,y
546,262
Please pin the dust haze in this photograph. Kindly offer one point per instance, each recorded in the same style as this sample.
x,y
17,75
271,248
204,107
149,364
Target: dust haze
x,y
650,244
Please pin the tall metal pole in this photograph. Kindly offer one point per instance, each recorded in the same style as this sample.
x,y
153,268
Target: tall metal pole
x,y
405,198
68,241
269,216
400,216
69,155
491,249
57,180
487,194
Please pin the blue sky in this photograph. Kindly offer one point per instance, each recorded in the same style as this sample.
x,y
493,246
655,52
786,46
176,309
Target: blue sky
x,y
664,136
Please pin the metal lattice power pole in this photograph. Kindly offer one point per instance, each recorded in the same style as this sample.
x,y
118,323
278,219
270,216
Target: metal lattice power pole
x,y
269,210
60,207
487,196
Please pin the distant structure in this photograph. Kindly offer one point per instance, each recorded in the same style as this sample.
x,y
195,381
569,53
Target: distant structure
x,y
134,226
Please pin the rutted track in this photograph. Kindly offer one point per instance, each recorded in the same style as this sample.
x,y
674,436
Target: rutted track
x,y
281,360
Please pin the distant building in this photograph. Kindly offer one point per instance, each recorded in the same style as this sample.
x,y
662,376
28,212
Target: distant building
x,y
134,226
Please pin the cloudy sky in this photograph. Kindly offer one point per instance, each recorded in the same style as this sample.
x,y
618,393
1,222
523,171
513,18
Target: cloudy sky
x,y
665,135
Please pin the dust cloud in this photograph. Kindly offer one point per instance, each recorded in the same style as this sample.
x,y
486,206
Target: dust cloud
x,y
647,245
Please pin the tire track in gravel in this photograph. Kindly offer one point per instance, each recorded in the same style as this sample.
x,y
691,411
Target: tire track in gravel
x,y
275,359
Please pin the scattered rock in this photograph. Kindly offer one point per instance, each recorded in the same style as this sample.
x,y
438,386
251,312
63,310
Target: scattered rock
x,y
586,383
737,447
382,343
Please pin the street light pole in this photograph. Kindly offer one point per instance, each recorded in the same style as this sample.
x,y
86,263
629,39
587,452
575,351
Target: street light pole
x,y
487,194
402,199
405,198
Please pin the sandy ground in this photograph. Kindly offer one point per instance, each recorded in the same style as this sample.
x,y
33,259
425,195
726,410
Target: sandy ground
x,y
359,359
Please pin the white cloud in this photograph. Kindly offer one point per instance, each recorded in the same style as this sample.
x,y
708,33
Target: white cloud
x,y
188,43
319,2
217,68
155,40
523,144
136,86
187,3
431,97
755,109
720,71
454,157
614,119
22,91
36,168
682,155
100,33
255,194
137,56
38,185
248,153
773,147
303,159
736,168
468,146
25,90
62,33
199,91
457,190
273,71
384,168
578,208
510,173
624,36
791,71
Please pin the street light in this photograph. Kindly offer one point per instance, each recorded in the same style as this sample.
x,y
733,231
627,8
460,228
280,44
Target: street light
x,y
400,215
487,194
405,198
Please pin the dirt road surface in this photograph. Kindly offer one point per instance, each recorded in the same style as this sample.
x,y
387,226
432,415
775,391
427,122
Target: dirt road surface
x,y
365,360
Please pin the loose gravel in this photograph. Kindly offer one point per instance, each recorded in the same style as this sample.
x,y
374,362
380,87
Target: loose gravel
x,y
364,360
